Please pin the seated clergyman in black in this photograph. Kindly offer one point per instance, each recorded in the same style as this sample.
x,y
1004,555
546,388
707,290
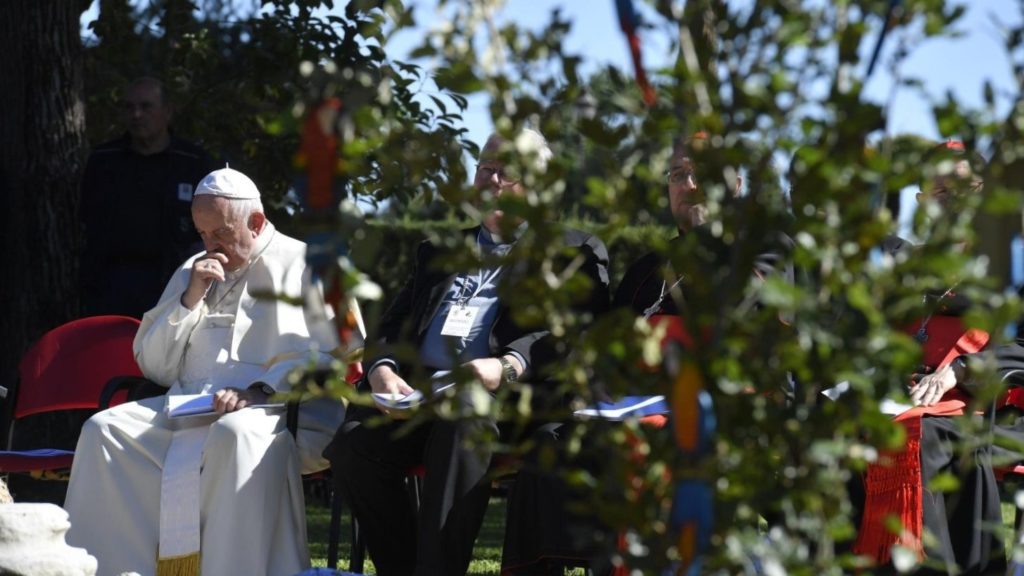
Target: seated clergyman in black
x,y
651,286
700,266
453,317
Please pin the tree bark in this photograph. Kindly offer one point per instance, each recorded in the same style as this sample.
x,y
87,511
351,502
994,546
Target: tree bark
x,y
42,154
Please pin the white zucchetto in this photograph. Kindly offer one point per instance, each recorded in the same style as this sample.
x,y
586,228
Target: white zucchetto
x,y
227,183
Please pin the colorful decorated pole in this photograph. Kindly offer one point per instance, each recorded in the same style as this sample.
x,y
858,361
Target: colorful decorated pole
x,y
888,23
628,22
693,424
693,419
320,185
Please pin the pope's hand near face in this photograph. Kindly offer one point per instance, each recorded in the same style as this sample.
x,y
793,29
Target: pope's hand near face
x,y
205,271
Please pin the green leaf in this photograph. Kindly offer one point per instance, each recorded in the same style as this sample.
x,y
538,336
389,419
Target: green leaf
x,y
944,482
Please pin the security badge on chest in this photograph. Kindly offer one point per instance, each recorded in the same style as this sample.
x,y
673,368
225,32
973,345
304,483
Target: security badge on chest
x,y
460,320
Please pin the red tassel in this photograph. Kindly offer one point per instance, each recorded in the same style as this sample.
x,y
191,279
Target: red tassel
x,y
620,569
893,486
354,373
893,489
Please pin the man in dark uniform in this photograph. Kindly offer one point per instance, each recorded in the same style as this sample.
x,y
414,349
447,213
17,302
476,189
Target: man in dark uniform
x,y
453,317
136,195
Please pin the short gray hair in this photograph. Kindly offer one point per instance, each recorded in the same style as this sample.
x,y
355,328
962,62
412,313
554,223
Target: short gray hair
x,y
241,208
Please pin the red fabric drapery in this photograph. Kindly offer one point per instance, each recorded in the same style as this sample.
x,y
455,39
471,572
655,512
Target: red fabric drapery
x,y
893,484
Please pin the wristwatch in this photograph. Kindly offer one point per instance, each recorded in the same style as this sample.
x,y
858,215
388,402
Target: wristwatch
x,y
508,371
264,387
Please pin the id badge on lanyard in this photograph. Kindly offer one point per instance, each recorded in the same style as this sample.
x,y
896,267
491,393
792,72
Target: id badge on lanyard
x,y
460,320
462,315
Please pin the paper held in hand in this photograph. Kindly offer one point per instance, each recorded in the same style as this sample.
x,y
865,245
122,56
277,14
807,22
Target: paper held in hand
x,y
886,406
180,405
440,382
627,407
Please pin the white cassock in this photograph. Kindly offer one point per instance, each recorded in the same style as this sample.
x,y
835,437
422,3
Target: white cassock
x,y
250,504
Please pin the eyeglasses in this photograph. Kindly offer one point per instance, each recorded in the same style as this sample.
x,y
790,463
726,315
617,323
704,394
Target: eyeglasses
x,y
488,172
680,176
943,188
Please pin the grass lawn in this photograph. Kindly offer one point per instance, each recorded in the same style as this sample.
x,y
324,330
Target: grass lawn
x,y
1009,512
487,555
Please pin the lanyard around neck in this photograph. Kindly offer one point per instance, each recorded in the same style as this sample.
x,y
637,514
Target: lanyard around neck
x,y
665,289
922,331
462,300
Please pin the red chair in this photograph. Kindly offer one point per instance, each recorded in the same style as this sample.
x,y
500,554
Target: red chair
x,y
67,370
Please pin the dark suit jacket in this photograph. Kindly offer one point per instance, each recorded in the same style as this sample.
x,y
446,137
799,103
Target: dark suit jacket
x,y
708,260
408,317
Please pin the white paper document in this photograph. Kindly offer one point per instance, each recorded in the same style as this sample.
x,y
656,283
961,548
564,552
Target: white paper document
x,y
892,407
629,406
440,382
181,405
886,406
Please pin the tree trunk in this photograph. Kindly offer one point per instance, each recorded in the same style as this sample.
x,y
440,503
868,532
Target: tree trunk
x,y
42,154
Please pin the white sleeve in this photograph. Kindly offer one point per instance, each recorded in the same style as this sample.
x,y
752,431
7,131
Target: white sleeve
x,y
162,338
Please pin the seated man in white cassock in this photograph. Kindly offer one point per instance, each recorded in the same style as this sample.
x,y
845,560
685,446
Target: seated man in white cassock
x,y
221,493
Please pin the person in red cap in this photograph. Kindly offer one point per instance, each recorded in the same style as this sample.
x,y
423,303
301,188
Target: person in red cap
x,y
218,493
951,171
951,531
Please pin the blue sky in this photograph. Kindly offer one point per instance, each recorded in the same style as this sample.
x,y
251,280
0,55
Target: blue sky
x,y
961,65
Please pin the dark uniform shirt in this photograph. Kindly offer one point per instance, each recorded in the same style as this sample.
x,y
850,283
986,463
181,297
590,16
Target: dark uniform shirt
x,y
136,211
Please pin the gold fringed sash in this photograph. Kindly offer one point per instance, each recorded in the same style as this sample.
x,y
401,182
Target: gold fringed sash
x,y
187,565
180,499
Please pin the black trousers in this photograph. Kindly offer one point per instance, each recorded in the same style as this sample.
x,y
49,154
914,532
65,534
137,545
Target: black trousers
x,y
545,530
370,457
965,522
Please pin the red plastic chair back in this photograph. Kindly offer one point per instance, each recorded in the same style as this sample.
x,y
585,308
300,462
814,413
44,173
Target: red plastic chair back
x,y
69,366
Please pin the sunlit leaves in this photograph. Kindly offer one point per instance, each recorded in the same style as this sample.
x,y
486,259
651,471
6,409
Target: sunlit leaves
x,y
777,85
